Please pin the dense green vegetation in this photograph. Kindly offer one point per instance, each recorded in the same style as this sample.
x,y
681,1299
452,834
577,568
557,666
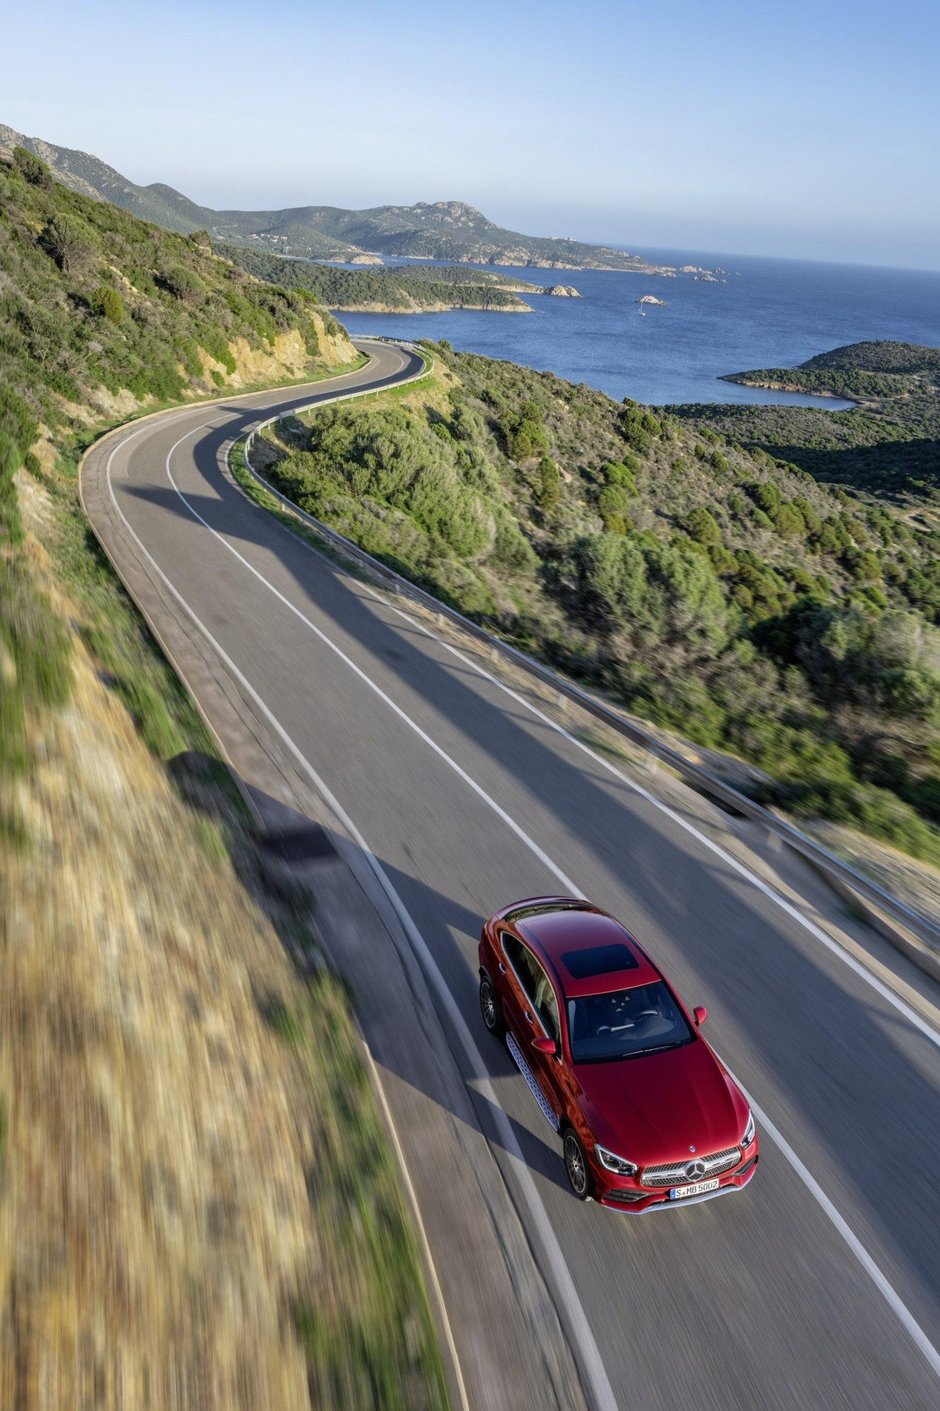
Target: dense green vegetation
x,y
888,444
92,297
100,314
710,588
401,289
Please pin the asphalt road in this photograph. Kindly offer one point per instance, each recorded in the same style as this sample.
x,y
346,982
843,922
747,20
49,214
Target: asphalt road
x,y
818,1285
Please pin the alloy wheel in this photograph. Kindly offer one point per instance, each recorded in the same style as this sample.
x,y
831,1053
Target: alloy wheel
x,y
576,1166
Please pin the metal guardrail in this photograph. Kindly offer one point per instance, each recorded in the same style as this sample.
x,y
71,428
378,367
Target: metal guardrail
x,y
840,873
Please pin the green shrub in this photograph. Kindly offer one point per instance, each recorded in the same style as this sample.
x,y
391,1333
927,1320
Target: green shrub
x,y
512,550
183,283
924,795
788,521
523,433
107,303
701,525
612,502
863,564
622,475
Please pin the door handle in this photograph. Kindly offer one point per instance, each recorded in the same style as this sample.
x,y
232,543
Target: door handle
x,y
502,968
528,1017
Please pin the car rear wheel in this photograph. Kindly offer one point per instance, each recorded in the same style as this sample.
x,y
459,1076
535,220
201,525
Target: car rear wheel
x,y
579,1175
489,1008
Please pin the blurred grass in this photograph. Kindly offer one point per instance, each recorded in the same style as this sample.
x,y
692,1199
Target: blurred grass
x,y
357,1311
375,1350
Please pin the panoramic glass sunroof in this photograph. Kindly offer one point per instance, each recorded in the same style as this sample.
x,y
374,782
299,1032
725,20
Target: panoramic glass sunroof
x,y
598,960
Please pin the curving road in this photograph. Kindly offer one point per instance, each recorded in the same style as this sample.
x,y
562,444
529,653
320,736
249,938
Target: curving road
x,y
818,1286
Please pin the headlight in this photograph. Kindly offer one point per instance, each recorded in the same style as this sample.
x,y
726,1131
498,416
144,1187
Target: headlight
x,y
749,1130
617,1164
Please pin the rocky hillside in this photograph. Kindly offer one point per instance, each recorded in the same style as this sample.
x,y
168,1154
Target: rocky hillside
x,y
716,590
442,230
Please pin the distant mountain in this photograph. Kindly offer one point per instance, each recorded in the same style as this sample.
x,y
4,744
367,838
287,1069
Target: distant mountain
x,y
440,230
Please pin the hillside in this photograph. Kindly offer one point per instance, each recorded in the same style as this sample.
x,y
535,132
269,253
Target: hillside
x,y
711,589
100,311
401,289
888,444
441,230
168,1077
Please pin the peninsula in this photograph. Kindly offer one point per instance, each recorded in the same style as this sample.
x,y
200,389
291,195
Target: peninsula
x,y
395,289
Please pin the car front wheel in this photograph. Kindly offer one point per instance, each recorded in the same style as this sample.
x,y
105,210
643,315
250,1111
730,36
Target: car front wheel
x,y
489,1008
579,1175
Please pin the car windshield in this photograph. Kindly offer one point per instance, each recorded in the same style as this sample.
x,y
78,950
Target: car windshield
x,y
625,1024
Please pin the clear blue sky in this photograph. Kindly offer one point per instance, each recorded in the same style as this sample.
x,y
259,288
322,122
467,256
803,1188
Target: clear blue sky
x,y
809,130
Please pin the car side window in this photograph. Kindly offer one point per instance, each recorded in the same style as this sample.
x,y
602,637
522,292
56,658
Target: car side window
x,y
534,981
518,956
546,1004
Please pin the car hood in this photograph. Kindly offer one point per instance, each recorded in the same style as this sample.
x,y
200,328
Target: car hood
x,y
660,1107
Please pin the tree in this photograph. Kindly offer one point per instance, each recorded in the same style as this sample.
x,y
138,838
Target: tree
x,y
547,491
30,168
523,433
71,243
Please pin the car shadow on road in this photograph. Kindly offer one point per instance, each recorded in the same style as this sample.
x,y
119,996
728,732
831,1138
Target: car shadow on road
x,y
390,988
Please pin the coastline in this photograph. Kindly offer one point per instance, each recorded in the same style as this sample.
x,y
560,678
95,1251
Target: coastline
x,y
741,380
518,308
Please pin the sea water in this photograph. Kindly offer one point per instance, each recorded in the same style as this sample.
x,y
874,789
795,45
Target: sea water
x,y
762,313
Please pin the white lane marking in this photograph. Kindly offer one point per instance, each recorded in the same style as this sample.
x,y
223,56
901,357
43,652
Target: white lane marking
x,y
588,1352
367,681
741,868
894,1301
854,1244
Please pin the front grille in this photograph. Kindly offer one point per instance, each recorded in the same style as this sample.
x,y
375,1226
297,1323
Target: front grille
x,y
674,1172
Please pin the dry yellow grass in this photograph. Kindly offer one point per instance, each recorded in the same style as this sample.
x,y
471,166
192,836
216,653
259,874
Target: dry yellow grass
x,y
168,1236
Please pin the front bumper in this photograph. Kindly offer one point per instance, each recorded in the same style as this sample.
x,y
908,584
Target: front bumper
x,y
634,1199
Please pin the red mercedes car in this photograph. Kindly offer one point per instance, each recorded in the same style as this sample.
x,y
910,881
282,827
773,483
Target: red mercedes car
x,y
648,1115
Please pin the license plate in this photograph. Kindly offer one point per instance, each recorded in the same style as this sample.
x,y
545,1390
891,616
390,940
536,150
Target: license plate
x,y
700,1187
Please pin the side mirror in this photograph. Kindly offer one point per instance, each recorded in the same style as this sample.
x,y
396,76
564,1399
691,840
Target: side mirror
x,y
700,1014
543,1044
